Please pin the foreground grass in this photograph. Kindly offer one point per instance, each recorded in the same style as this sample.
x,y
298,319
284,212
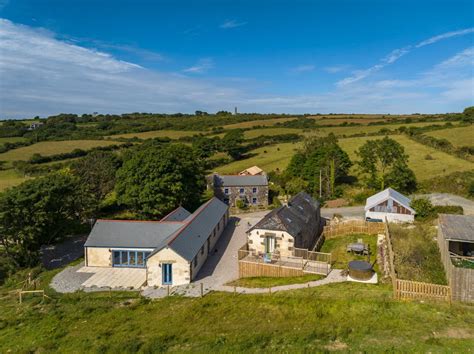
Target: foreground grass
x,y
47,148
339,316
267,282
338,248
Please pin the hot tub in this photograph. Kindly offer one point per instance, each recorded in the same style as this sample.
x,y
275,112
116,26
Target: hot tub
x,y
360,270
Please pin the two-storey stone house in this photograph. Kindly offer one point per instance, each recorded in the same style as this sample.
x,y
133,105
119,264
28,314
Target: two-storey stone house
x,y
252,190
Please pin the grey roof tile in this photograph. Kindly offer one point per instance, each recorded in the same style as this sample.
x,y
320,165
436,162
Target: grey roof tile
x,y
457,227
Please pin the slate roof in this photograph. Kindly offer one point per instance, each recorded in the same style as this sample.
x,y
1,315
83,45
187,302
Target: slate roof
x,y
189,240
130,234
237,181
386,194
179,214
299,216
457,227
183,232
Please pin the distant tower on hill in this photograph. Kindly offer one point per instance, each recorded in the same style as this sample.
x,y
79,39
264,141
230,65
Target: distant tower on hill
x,y
235,110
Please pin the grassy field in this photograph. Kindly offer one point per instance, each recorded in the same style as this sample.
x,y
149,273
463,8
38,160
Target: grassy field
x,y
46,148
463,136
260,122
13,139
442,163
345,317
275,157
9,178
249,134
267,282
338,248
172,134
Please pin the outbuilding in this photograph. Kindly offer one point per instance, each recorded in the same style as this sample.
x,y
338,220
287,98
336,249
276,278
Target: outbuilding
x,y
389,205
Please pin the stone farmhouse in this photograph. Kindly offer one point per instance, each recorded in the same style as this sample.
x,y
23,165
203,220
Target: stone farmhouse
x,y
252,190
296,225
168,252
391,205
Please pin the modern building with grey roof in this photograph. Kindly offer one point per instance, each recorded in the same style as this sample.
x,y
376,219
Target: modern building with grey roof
x,y
172,250
389,205
251,190
296,225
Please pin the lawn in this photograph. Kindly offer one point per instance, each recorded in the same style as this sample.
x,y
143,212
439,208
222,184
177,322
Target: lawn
x,y
47,148
267,282
172,134
268,158
13,139
10,178
440,165
463,136
340,258
416,252
344,316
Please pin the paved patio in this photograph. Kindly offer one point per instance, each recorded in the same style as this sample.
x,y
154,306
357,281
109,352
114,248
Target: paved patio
x,y
115,278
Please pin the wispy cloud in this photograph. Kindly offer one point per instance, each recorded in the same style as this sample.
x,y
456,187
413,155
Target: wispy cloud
x,y
335,68
396,54
202,66
303,68
227,24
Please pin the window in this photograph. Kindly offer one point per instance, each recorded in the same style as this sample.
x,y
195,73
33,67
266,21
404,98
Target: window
x,y
195,262
226,190
254,190
132,259
218,226
254,200
202,250
241,190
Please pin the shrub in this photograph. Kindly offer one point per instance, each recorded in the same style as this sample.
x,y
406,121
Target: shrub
x,y
423,207
240,204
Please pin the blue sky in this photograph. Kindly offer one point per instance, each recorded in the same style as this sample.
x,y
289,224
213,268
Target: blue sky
x,y
347,56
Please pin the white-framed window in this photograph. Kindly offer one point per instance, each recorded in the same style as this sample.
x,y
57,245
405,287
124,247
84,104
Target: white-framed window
x,y
254,200
241,190
226,190
254,190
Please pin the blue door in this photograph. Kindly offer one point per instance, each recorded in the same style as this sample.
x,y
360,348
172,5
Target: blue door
x,y
167,273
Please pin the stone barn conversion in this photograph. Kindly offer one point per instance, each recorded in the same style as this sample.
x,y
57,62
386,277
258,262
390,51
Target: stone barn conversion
x,y
166,252
252,190
296,225
391,205
456,244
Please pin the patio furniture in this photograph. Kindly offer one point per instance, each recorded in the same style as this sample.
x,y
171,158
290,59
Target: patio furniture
x,y
356,247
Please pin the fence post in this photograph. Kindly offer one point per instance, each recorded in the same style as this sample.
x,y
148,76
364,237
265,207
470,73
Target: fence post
x,y
202,289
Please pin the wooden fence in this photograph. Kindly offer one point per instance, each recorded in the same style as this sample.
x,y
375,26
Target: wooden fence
x,y
414,290
353,227
252,269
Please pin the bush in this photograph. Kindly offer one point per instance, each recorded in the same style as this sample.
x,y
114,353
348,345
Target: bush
x,y
448,209
423,207
240,204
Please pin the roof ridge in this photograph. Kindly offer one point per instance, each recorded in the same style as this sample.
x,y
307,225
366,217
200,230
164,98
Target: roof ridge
x,y
193,216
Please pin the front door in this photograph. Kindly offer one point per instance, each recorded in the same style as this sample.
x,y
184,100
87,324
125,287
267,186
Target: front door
x,y
167,275
269,244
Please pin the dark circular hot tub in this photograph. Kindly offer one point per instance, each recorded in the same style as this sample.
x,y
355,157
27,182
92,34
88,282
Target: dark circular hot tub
x,y
360,270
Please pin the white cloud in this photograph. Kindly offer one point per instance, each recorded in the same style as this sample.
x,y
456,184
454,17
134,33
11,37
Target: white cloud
x,y
303,68
227,24
396,54
444,36
202,66
335,68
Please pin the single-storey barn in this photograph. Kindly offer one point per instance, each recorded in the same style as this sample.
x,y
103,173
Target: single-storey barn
x,y
171,250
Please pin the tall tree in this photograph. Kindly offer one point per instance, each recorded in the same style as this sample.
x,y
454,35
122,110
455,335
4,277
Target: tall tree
x,y
321,162
232,143
96,173
380,161
155,179
40,211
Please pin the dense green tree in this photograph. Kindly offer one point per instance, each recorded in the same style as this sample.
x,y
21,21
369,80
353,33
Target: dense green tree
x,y
320,160
205,147
403,179
468,115
423,207
380,161
96,173
231,143
157,178
40,211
